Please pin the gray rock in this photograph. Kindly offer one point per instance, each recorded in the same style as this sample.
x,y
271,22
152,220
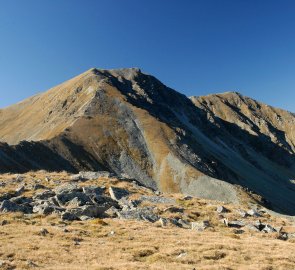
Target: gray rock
x,y
21,200
174,209
68,187
93,211
200,226
184,224
268,229
75,177
19,190
95,175
3,222
163,221
43,232
112,212
47,209
222,209
67,216
236,224
38,186
8,206
145,213
65,197
157,200
253,213
93,191
126,204
118,193
84,218
242,213
259,225
238,231
44,195
105,201
6,196
251,227
187,198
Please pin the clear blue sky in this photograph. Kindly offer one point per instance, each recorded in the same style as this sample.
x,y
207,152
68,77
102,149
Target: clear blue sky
x,y
194,46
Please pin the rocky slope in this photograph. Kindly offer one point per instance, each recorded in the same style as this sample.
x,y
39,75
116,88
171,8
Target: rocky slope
x,y
96,220
129,123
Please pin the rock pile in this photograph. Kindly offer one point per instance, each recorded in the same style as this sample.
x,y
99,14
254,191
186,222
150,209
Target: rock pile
x,y
75,200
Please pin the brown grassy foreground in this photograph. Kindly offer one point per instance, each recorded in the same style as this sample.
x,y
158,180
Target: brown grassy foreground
x,y
124,244
118,244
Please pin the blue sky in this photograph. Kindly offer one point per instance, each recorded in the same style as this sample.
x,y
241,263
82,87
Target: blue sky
x,y
194,46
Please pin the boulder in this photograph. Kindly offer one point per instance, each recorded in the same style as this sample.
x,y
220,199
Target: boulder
x,y
222,209
64,198
68,216
268,229
236,224
200,226
105,201
184,224
93,191
44,195
253,213
8,206
242,213
20,190
118,193
68,187
47,209
92,211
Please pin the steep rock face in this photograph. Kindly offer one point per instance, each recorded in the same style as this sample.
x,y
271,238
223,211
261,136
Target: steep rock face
x,y
130,123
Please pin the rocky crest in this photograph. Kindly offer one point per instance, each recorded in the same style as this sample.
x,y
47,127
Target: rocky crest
x,y
129,123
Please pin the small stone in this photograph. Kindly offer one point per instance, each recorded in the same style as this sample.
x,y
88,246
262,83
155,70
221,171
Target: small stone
x,y
174,209
181,255
242,213
237,231
222,209
200,226
163,222
253,213
251,227
236,224
187,198
20,190
268,229
184,224
67,216
43,232
31,264
3,222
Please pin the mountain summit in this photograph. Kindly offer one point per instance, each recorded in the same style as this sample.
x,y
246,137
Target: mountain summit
x,y
127,122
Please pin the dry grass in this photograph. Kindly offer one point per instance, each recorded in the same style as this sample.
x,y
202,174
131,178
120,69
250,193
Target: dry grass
x,y
117,244
124,244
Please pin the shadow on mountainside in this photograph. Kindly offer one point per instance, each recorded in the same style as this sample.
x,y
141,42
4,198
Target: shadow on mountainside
x,y
171,107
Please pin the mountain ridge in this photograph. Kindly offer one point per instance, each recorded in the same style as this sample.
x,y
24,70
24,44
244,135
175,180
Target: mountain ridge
x,y
130,123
